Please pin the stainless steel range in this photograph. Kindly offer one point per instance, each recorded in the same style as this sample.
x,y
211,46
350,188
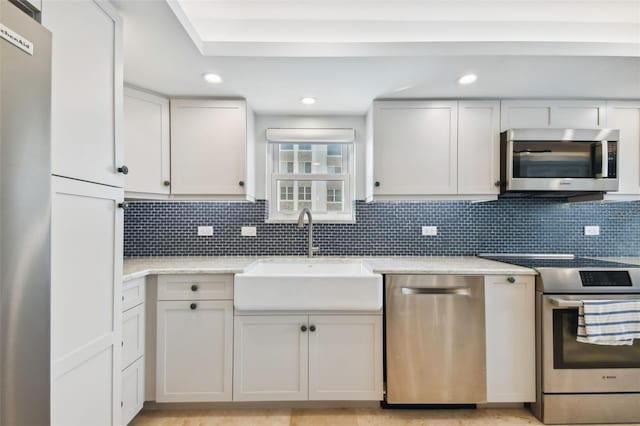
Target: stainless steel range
x,y
580,382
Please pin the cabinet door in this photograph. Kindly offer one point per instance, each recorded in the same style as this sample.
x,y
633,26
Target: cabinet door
x,y
195,287
510,322
86,314
270,358
478,147
132,335
146,143
208,147
132,390
626,117
133,293
345,357
86,90
194,351
552,114
415,148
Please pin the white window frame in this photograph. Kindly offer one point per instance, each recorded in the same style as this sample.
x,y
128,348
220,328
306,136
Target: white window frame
x,y
274,175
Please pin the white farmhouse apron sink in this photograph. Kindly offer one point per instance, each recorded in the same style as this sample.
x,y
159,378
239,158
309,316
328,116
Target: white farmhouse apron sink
x,y
308,285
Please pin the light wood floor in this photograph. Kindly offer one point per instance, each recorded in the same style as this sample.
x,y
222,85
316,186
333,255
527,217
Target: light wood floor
x,y
336,417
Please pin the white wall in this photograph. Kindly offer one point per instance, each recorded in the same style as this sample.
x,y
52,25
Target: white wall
x,y
263,122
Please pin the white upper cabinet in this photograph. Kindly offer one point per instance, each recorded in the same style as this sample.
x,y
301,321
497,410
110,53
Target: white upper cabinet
x,y
478,147
146,144
433,149
577,114
414,149
209,153
86,98
626,117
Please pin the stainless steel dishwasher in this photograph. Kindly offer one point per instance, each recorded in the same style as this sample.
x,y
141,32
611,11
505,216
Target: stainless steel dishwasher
x,y
435,339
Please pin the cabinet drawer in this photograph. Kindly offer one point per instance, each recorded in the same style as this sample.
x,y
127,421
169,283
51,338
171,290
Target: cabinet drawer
x,y
132,390
195,287
132,293
132,335
509,279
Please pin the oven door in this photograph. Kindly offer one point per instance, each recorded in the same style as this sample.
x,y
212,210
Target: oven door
x,y
570,366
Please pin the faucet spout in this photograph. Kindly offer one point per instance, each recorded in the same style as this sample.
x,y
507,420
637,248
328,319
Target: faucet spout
x,y
310,248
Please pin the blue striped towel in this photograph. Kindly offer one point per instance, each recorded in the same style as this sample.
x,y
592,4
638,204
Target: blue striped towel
x,y
609,322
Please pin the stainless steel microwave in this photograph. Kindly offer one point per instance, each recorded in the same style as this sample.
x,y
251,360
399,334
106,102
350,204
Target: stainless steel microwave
x,y
558,161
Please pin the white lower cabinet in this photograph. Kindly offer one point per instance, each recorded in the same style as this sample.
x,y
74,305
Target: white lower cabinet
x,y
132,335
300,357
86,283
271,358
133,343
194,350
345,357
510,332
132,390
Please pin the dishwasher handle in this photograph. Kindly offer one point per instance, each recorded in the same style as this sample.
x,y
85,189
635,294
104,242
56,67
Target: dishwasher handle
x,y
455,291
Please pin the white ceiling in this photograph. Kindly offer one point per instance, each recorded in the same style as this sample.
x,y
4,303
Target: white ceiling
x,y
382,27
160,55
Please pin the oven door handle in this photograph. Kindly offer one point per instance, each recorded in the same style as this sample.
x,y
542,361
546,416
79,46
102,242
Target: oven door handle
x,y
565,303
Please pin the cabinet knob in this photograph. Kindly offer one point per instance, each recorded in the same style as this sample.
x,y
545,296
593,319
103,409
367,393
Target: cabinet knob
x,y
193,306
241,183
166,183
124,170
511,280
303,328
194,287
377,184
124,205
312,328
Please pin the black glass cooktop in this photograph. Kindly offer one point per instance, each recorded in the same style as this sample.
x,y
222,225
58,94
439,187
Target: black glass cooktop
x,y
547,262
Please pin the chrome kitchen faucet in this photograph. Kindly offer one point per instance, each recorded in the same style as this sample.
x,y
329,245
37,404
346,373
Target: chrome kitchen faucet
x,y
311,249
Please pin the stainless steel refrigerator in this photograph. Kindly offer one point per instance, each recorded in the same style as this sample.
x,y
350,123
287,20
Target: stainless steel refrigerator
x,y
25,217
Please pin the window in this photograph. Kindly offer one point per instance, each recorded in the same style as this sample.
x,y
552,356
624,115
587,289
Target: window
x,y
316,176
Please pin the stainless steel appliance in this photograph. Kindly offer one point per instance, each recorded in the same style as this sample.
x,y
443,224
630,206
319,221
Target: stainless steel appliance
x,y
25,102
581,382
435,344
558,162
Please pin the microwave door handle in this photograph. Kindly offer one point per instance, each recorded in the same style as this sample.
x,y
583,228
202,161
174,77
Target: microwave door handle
x,y
604,164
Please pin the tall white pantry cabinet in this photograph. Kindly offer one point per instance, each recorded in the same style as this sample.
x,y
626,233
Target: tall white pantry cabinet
x,y
87,218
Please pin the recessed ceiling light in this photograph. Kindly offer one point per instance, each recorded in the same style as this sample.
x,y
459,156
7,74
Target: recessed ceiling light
x,y
212,78
467,79
308,101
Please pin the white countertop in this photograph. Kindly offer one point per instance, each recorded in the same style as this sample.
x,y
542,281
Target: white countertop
x,y
629,260
462,265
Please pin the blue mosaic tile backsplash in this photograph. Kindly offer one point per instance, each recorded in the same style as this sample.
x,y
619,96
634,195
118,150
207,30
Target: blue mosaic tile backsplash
x,y
388,228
